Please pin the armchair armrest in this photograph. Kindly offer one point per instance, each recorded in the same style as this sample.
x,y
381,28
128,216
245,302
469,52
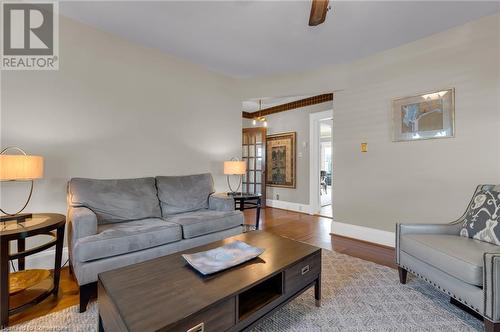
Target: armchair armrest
x,y
220,202
443,229
82,222
491,286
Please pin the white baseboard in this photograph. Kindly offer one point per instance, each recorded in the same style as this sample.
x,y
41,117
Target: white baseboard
x,y
296,207
43,260
373,235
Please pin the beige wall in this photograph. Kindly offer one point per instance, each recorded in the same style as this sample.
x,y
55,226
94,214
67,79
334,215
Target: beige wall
x,y
425,181
296,120
116,110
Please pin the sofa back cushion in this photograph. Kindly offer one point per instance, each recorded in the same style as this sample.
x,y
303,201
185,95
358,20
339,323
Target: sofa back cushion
x,y
116,200
482,220
180,194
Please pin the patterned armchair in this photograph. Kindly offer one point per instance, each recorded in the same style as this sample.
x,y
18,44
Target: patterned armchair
x,y
462,259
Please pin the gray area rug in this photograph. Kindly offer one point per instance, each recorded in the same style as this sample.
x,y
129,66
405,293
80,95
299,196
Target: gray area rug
x,y
357,296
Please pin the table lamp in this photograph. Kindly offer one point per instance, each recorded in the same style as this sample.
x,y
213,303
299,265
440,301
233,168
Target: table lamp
x,y
19,167
234,167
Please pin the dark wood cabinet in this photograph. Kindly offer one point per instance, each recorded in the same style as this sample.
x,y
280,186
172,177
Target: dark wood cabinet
x,y
302,273
218,318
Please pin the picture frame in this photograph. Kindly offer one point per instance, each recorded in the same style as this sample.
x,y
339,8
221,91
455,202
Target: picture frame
x,y
425,116
281,167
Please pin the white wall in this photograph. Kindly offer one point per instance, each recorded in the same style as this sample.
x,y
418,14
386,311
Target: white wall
x,y
425,181
296,120
116,110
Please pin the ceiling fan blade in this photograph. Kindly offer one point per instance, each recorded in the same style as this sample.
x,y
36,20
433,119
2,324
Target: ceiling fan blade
x,y
318,12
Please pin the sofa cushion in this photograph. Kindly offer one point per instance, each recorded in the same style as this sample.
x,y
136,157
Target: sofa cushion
x,y
125,237
482,220
116,200
205,221
180,194
458,256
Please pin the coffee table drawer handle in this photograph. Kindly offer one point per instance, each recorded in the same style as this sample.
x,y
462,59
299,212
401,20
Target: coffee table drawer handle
x,y
198,328
305,269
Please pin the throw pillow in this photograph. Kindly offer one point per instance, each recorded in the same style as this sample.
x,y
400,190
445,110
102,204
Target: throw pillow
x,y
482,221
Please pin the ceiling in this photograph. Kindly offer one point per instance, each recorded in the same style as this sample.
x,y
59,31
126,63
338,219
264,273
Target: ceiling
x,y
251,38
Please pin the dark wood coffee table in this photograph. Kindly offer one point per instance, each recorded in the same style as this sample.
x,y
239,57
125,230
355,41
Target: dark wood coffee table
x,y
165,294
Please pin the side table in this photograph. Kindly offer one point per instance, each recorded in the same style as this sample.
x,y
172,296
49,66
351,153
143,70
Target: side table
x,y
248,201
11,292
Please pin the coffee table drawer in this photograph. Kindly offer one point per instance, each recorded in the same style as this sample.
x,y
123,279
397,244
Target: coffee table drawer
x,y
217,319
302,273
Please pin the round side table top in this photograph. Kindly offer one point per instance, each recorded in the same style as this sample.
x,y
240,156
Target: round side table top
x,y
39,222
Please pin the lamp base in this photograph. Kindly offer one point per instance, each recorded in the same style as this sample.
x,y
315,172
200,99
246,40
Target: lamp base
x,y
21,217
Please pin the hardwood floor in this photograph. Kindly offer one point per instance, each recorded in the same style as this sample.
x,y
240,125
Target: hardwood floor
x,y
68,296
301,227
365,250
316,230
298,226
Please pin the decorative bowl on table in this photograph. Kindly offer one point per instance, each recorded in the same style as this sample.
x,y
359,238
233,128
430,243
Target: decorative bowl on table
x,y
222,258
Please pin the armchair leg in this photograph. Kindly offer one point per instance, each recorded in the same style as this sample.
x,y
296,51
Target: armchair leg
x,y
402,275
490,326
87,292
465,308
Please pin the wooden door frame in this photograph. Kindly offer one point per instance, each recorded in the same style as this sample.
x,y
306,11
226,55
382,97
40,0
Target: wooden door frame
x,y
263,131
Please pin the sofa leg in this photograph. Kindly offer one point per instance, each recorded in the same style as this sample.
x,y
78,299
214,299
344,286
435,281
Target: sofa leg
x,y
490,326
402,275
87,292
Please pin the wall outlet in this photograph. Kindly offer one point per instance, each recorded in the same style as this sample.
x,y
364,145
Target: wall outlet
x,y
277,197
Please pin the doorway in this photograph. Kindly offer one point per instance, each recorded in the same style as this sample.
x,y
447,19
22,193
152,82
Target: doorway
x,y
321,163
254,154
325,152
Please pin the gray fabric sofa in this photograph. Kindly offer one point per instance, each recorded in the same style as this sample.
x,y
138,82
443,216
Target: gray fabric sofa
x,y
466,269
114,223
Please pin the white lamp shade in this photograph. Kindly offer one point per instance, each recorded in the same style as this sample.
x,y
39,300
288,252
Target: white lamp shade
x,y
235,167
20,167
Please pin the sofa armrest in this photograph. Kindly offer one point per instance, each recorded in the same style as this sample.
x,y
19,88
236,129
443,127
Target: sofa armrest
x,y
221,202
82,222
491,286
443,229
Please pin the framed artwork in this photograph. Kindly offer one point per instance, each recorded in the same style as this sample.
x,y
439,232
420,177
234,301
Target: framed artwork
x,y
425,116
280,161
